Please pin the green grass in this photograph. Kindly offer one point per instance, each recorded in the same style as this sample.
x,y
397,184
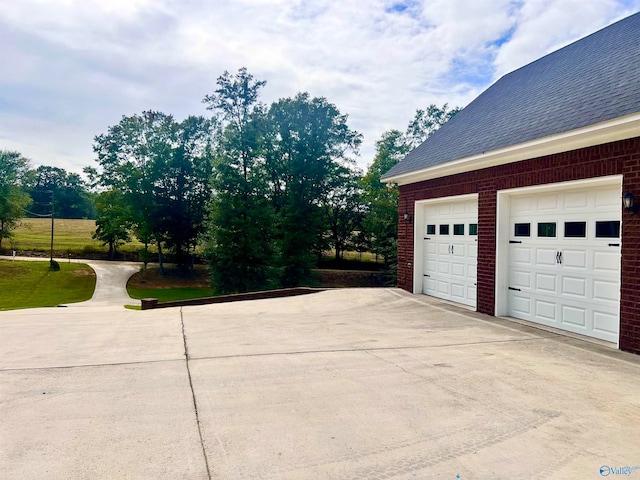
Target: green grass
x,y
32,285
34,234
170,294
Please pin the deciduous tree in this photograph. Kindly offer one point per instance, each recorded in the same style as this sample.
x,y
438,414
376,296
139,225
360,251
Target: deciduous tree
x,y
13,200
238,245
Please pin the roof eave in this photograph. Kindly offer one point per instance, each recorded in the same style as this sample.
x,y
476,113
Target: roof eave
x,y
620,128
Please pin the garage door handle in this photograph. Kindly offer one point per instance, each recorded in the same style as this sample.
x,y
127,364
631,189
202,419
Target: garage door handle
x,y
614,244
427,275
451,248
560,257
427,238
515,241
516,289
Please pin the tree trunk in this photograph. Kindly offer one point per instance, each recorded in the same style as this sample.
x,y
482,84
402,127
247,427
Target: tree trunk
x,y
160,264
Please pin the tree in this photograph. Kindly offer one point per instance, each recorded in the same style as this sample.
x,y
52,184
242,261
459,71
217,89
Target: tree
x,y
426,122
309,140
13,200
71,199
162,168
238,245
381,220
343,208
113,220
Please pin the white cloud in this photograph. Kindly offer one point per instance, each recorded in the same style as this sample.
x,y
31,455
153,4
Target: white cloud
x,y
78,65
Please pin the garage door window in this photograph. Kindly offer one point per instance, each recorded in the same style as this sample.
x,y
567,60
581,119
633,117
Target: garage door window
x,y
431,229
575,229
547,229
473,229
609,229
522,230
458,229
444,229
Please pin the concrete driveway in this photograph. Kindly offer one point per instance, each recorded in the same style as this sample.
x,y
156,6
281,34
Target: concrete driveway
x,y
344,384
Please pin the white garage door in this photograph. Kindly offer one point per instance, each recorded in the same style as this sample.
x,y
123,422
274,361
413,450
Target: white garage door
x,y
564,260
451,251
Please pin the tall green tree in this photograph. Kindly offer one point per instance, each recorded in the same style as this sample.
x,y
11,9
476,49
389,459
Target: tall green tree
x,y
113,221
14,169
426,122
162,168
381,220
238,245
309,139
71,198
344,209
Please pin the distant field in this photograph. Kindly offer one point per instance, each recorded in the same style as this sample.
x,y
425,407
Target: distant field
x,y
34,234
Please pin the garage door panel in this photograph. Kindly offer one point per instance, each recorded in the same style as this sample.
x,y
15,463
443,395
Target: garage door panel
x,y
444,287
521,256
574,315
575,286
520,279
576,200
606,291
457,291
429,285
571,280
472,292
607,261
546,310
522,205
547,202
472,272
521,305
546,257
545,283
458,269
605,322
603,199
574,258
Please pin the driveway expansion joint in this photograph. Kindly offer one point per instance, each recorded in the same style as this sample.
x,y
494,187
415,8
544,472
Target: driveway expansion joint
x,y
193,396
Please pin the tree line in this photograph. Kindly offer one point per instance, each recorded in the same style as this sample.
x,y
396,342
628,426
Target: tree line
x,y
259,191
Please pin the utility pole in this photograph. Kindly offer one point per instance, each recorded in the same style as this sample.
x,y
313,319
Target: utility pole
x,y
52,212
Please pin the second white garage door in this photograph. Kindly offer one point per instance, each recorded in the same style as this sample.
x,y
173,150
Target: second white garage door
x,y
564,260
451,251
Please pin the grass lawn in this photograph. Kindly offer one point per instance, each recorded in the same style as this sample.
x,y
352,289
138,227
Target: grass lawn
x,y
170,294
69,235
171,286
31,284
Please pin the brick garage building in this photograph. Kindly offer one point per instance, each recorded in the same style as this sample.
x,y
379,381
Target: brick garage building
x,y
514,207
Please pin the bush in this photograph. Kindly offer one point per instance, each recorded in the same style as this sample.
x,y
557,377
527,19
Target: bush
x,y
54,266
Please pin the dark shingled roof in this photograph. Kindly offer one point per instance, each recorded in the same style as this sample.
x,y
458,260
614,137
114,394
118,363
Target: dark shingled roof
x,y
589,81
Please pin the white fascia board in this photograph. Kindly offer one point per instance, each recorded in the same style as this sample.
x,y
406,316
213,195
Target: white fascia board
x,y
610,131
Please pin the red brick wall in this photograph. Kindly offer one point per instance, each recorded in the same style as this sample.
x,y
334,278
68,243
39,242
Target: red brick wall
x,y
622,157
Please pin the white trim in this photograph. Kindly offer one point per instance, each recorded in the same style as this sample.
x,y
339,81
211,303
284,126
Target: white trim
x,y
502,229
604,132
418,244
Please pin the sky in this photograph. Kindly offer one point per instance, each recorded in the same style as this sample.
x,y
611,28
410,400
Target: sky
x,y
69,69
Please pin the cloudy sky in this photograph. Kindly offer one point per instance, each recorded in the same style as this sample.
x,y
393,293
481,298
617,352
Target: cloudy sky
x,y
71,68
